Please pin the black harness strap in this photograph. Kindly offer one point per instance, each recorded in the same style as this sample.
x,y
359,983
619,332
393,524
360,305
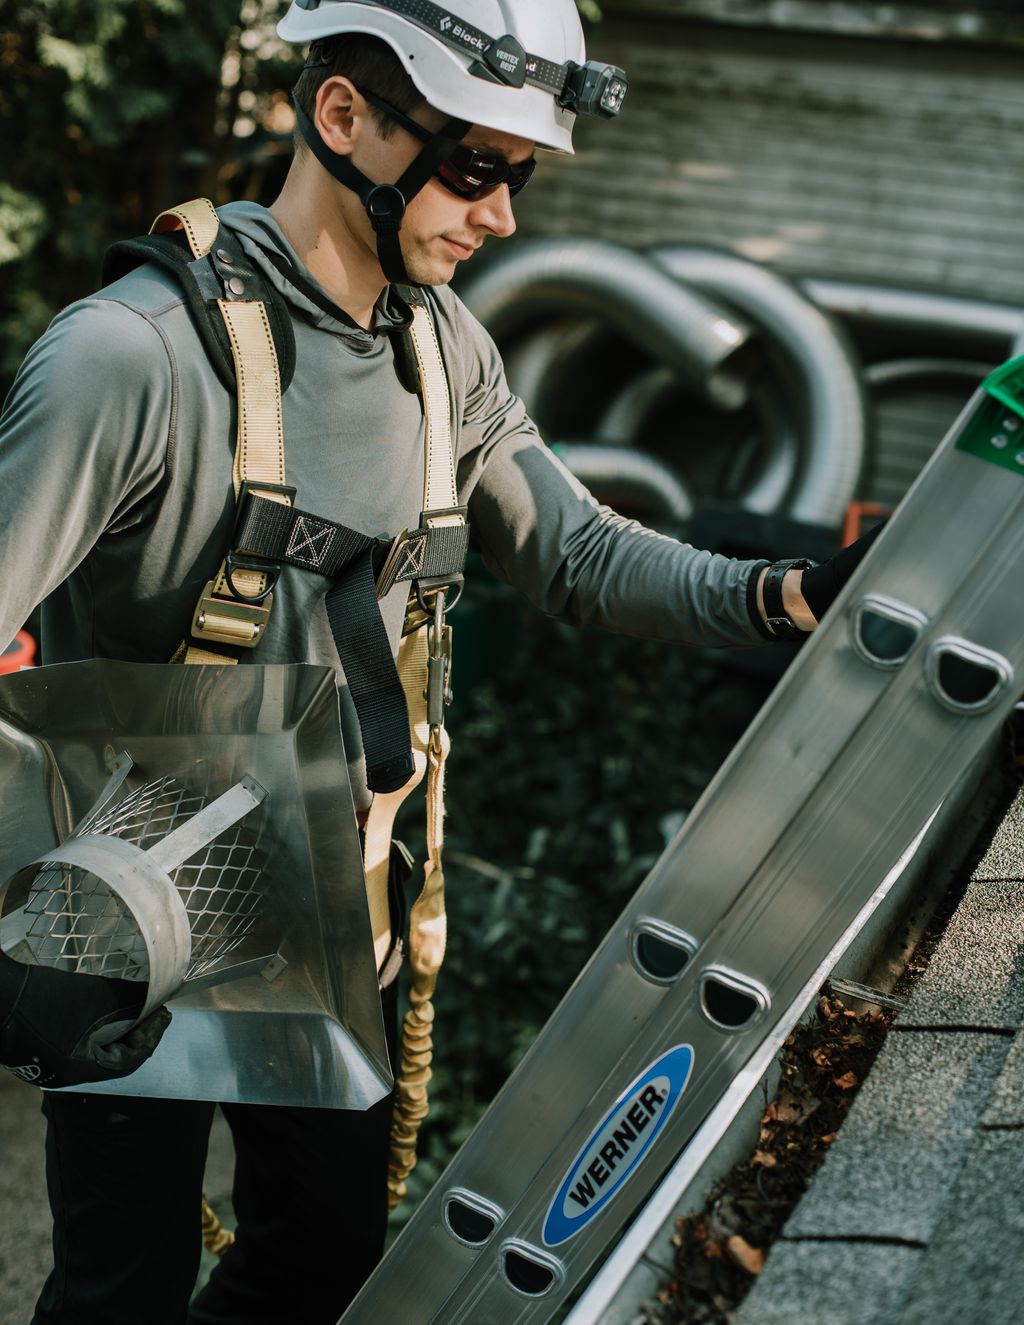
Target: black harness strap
x,y
285,536
365,653
289,537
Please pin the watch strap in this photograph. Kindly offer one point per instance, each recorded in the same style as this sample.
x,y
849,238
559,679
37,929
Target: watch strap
x,y
777,619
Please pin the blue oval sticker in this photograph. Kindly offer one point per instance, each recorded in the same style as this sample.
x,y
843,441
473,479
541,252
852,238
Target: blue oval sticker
x,y
617,1144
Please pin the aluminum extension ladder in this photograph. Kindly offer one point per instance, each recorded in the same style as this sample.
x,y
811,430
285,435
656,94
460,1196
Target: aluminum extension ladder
x,y
889,702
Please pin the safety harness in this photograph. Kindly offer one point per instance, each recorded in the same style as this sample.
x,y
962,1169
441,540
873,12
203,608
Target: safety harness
x,y
246,328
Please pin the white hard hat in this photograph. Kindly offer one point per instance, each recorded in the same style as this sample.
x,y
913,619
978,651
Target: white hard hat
x,y
519,68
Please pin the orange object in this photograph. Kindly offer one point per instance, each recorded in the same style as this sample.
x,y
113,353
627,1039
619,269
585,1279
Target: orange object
x,y
21,652
856,514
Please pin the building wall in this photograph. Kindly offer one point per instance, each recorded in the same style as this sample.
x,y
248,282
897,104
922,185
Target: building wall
x,y
887,157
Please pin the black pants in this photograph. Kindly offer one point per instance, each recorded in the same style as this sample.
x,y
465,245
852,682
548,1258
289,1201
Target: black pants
x,y
125,1180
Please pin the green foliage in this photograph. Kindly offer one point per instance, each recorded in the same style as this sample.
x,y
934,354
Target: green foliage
x,y
109,111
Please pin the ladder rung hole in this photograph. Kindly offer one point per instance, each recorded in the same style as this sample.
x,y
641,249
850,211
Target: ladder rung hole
x,y
727,1005
885,640
527,1275
468,1223
966,682
659,959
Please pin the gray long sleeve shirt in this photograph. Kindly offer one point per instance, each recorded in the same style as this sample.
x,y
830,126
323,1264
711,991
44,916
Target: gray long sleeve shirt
x,y
116,447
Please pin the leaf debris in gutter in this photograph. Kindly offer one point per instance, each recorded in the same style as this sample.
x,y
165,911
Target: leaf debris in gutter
x,y
721,1249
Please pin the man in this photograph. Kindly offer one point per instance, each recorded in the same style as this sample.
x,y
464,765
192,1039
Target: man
x,y
115,456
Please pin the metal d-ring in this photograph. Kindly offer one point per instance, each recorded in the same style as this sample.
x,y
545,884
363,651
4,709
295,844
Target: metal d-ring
x,y
233,562
431,589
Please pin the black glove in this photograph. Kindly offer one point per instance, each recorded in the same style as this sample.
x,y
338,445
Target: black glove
x,y
47,1019
821,585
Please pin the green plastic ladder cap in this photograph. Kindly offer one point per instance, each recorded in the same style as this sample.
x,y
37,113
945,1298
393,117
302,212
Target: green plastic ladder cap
x,y
1007,385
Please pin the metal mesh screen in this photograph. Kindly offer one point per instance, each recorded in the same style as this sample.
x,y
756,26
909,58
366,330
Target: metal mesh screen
x,y
78,924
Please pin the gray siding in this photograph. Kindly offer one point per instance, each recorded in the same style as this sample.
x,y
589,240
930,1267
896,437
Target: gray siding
x,y
888,160
991,21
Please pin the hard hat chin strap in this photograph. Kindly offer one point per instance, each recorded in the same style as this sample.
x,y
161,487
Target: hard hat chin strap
x,y
386,203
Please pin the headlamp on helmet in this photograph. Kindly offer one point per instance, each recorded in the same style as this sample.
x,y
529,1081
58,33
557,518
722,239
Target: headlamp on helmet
x,y
595,89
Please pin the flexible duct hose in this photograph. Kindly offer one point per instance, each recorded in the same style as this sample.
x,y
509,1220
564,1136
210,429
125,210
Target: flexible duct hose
x,y
526,362
626,413
901,372
778,445
988,328
915,403
818,361
706,346
544,368
563,371
621,476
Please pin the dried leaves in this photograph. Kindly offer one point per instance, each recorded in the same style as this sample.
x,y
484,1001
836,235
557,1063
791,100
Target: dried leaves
x,y
720,1251
749,1259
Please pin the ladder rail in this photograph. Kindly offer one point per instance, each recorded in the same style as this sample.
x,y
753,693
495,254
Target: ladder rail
x,y
821,779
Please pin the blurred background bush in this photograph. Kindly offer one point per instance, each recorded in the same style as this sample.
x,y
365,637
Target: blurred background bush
x,y
111,110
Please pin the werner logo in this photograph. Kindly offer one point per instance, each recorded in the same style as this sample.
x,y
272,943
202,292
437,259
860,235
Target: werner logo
x,y
615,1148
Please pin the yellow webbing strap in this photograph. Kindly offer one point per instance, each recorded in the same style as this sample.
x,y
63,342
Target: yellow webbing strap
x,y
198,219
428,930
259,445
380,823
439,494
439,490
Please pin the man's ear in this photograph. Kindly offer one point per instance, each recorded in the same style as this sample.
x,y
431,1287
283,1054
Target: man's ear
x,y
336,115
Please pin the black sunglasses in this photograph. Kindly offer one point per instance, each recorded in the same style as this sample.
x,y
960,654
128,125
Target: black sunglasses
x,y
467,173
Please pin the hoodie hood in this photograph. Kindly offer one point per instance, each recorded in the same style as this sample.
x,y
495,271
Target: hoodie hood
x,y
264,242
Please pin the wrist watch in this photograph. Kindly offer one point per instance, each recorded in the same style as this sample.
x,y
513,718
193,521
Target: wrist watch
x,y
777,619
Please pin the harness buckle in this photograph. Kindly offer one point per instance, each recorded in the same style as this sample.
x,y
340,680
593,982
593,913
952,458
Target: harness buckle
x,y
444,515
240,623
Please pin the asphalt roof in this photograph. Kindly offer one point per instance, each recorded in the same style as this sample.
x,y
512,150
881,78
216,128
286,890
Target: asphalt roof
x,y
917,1215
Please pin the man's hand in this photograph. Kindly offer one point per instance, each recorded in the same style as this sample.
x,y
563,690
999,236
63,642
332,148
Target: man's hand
x,y
48,1019
808,594
821,585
